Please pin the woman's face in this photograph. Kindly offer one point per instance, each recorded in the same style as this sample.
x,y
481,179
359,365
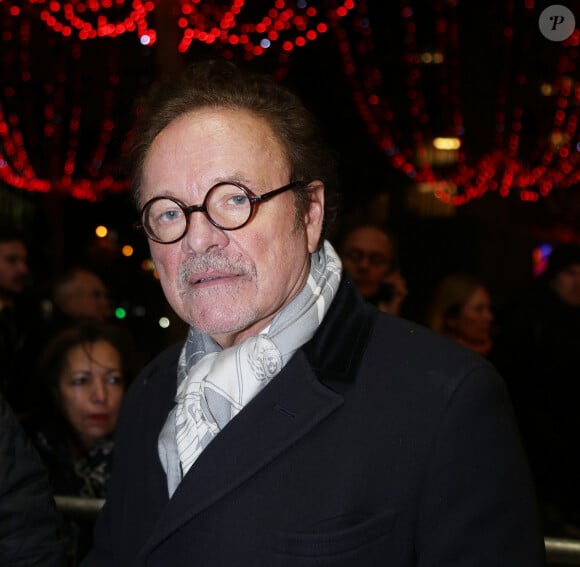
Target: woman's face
x,y
91,388
473,324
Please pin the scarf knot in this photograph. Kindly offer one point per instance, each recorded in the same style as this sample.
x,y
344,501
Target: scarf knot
x,y
214,385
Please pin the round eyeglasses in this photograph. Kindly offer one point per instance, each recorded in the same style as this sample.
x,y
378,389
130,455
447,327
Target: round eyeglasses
x,y
228,206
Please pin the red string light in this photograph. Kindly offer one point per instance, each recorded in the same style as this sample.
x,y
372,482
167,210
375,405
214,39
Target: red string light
x,y
68,166
404,135
292,27
96,18
403,127
56,152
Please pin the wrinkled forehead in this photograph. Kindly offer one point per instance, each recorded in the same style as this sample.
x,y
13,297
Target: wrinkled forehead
x,y
240,125
210,145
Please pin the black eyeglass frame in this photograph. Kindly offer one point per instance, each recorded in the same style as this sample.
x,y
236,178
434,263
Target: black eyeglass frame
x,y
253,199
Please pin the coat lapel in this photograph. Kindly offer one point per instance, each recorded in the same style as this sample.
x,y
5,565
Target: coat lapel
x,y
307,390
292,405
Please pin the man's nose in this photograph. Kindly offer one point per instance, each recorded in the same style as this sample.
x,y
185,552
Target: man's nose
x,y
364,263
202,235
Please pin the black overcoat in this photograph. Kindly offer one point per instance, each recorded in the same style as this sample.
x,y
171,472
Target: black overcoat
x,y
379,443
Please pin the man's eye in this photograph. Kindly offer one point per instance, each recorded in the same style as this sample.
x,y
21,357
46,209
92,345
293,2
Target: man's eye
x,y
170,215
377,259
79,380
236,200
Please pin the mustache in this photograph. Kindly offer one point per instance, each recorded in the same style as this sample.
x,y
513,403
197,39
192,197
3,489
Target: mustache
x,y
212,261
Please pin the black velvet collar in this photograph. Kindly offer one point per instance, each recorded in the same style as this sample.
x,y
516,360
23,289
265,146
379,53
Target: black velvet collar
x,y
337,347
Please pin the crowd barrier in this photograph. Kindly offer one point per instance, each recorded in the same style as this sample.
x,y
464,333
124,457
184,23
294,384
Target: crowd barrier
x,y
79,508
562,551
558,551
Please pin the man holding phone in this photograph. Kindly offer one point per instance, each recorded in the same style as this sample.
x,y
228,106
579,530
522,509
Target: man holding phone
x,y
368,255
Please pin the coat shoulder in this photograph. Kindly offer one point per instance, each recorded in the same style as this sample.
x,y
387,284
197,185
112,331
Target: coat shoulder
x,y
417,359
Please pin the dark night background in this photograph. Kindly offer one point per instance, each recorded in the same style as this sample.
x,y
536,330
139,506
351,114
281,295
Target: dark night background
x,y
492,237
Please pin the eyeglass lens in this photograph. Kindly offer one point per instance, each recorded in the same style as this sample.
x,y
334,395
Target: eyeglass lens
x,y
226,205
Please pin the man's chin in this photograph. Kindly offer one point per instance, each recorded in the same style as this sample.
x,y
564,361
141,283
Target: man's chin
x,y
216,321
368,293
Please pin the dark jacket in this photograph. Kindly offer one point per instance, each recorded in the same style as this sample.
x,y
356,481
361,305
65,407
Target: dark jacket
x,y
538,354
379,443
29,526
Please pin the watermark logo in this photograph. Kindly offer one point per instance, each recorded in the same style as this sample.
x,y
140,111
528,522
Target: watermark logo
x,y
557,22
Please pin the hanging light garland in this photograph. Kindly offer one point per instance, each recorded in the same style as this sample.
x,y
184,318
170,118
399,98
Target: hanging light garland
x,y
293,24
54,157
405,135
60,158
289,24
407,127
93,18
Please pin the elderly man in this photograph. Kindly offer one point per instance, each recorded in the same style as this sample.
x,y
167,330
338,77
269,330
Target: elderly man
x,y
296,425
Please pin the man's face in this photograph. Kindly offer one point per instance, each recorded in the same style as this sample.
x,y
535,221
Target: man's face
x,y
566,284
13,268
229,284
367,255
87,297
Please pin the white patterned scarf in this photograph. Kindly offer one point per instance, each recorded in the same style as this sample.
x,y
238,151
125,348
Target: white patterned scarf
x,y
215,384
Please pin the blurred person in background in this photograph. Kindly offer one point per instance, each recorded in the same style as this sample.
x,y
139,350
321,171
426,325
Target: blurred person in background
x,y
29,524
80,294
369,256
538,353
18,313
81,382
13,266
461,310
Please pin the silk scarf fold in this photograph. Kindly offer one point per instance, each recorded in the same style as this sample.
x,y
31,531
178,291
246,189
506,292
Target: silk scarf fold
x,y
215,384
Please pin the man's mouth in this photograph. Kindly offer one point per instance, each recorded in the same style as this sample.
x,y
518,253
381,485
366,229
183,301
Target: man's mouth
x,y
212,271
208,279
203,280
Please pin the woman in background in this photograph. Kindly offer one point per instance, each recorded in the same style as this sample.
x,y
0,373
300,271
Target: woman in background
x,y
81,383
461,310
82,375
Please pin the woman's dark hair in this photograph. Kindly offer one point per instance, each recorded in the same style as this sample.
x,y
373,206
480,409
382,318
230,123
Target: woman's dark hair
x,y
451,295
221,84
52,361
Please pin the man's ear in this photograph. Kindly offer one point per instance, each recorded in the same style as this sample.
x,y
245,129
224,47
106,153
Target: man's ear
x,y
314,215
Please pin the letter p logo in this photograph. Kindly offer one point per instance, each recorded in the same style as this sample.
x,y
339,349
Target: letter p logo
x,y
557,23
